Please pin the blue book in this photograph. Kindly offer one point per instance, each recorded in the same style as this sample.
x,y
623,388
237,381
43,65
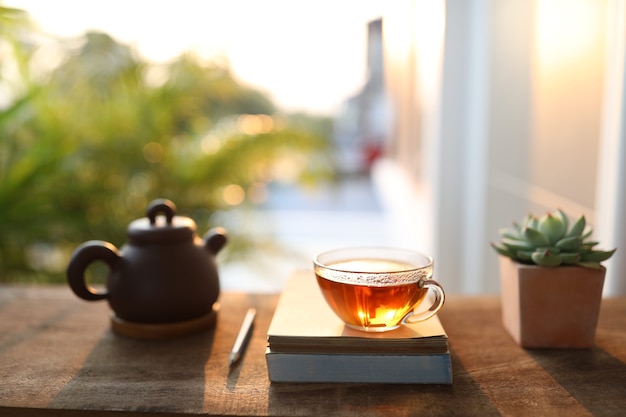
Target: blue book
x,y
308,343
381,369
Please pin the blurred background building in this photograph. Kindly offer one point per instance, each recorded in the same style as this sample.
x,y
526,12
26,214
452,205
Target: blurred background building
x,y
362,124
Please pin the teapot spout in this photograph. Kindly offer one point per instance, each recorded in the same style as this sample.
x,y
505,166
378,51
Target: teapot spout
x,y
215,239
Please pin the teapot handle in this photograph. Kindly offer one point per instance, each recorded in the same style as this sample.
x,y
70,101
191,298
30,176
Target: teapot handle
x,y
88,252
215,239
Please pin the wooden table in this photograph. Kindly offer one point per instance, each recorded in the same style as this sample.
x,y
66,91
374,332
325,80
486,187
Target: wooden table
x,y
58,356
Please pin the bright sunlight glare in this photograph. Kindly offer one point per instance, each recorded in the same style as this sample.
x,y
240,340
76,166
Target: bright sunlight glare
x,y
308,55
564,30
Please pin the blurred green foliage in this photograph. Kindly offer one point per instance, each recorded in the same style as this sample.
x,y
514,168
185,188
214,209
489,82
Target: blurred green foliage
x,y
91,133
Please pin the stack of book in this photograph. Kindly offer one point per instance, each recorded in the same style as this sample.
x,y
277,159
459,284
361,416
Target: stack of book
x,y
307,342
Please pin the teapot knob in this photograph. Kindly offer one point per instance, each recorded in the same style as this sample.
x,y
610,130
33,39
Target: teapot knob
x,y
163,206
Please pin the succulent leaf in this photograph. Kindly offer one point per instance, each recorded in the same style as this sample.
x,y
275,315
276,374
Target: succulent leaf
x,y
502,250
529,221
535,237
545,258
525,255
515,245
590,244
552,228
552,249
597,255
533,222
570,243
568,258
578,227
564,219
590,264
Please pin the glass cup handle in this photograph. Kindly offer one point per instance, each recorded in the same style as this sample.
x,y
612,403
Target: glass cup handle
x,y
440,298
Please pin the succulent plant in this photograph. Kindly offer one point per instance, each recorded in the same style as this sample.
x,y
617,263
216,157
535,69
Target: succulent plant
x,y
550,241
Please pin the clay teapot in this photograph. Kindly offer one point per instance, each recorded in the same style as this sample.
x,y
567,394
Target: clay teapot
x,y
164,274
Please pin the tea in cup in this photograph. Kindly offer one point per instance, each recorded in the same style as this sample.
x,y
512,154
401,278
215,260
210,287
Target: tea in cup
x,y
376,289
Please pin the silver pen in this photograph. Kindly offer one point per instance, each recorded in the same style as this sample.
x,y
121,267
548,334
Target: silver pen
x,y
242,338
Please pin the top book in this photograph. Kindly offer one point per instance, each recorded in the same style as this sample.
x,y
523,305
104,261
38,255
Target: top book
x,y
304,323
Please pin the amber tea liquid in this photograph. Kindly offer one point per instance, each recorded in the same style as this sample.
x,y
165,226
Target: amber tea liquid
x,y
381,301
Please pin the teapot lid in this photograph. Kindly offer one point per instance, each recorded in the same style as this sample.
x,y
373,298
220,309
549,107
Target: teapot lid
x,y
161,229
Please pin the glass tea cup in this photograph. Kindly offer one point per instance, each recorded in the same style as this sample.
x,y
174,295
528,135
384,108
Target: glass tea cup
x,y
376,289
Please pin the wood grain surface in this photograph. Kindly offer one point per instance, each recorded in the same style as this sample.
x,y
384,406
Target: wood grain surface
x,y
58,357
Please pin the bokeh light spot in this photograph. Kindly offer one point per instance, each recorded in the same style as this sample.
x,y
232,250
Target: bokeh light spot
x,y
254,124
210,144
233,195
153,152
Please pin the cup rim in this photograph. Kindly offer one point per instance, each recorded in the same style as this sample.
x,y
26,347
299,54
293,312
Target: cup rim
x,y
387,249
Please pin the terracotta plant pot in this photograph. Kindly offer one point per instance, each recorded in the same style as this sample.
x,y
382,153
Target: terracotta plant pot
x,y
545,307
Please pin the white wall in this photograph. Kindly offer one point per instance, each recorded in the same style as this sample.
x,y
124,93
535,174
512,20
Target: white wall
x,y
611,185
502,131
